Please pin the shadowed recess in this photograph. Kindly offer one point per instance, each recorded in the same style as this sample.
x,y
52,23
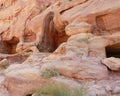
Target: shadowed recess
x,y
51,39
113,50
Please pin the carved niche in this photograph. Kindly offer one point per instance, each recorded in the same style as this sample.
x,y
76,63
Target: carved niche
x,y
109,21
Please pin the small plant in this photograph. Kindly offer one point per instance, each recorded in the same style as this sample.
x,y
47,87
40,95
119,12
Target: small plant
x,y
58,90
67,0
83,40
50,72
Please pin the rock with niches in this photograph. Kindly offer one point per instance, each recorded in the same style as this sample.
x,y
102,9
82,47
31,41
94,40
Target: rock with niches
x,y
75,11
3,91
89,29
15,15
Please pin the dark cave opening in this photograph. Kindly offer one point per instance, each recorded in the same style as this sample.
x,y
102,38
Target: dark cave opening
x,y
51,41
8,51
29,95
113,50
9,47
51,38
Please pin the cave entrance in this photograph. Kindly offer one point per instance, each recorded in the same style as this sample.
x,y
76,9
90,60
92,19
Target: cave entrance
x,y
113,50
29,95
9,47
8,51
51,38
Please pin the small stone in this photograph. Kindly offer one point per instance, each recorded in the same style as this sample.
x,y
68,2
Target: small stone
x,y
4,63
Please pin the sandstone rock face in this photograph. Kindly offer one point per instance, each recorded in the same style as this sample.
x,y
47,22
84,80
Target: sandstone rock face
x,y
79,38
3,90
15,15
74,62
22,80
103,88
84,20
78,28
79,69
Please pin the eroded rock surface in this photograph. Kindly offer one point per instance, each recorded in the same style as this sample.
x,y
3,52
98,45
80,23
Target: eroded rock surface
x,y
22,79
80,39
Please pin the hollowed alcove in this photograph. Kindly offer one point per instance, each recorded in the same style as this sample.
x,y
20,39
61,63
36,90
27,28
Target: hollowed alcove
x,y
113,50
51,38
8,51
9,47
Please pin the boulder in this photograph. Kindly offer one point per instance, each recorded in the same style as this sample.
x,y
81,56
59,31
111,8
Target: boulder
x,y
112,63
87,69
4,63
22,80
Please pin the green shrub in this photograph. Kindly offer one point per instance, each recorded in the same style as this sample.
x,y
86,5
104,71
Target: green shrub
x,y
67,0
83,40
50,72
58,90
